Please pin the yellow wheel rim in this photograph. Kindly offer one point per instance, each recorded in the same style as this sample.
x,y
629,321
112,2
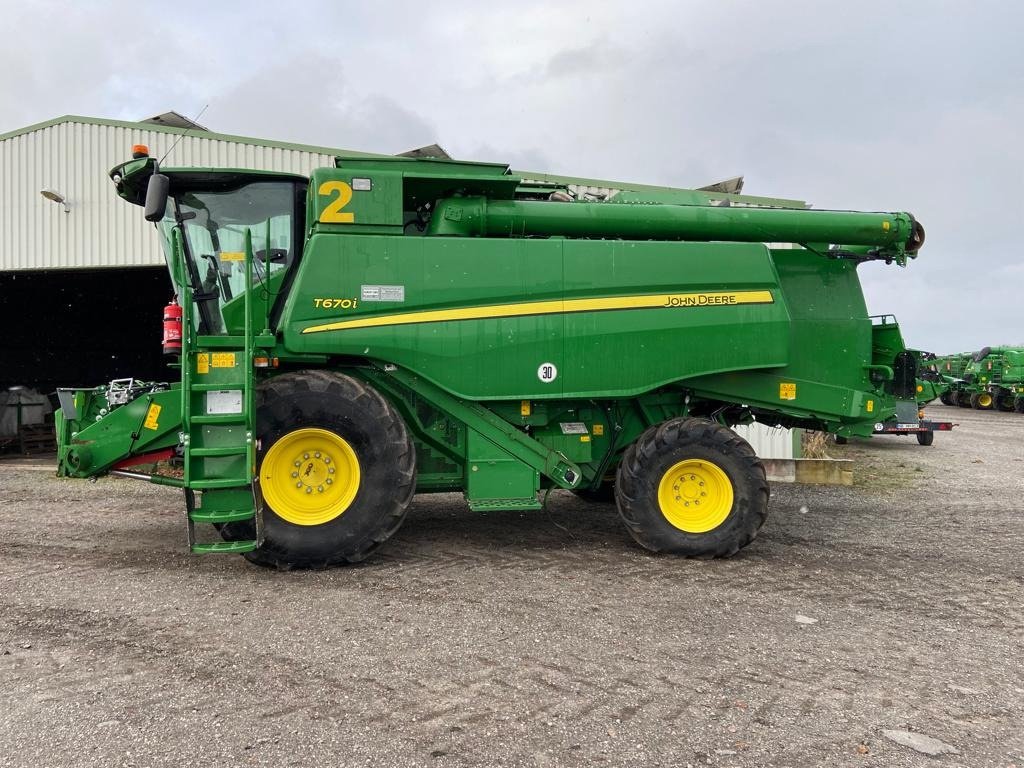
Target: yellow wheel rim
x,y
984,400
695,496
309,476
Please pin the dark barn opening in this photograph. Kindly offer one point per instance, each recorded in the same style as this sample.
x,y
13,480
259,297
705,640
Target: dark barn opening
x,y
82,327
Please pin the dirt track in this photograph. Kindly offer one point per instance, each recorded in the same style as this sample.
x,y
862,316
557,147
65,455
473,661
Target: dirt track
x,y
531,639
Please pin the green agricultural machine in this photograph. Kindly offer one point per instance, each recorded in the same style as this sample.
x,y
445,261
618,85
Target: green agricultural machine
x,y
993,379
931,384
951,369
914,384
393,326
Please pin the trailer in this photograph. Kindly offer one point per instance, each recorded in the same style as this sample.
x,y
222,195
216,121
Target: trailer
x,y
923,429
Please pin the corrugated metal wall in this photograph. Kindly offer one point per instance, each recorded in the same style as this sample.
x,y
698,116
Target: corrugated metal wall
x,y
768,442
101,230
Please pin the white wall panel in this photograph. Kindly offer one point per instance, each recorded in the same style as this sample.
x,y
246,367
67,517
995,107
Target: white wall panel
x,y
102,230
768,442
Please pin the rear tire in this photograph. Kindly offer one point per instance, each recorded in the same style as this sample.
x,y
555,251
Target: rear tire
x,y
926,438
1003,402
674,466
1018,404
298,413
963,399
946,398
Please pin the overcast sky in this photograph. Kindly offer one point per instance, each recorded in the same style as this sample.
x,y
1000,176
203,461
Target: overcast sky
x,y
915,106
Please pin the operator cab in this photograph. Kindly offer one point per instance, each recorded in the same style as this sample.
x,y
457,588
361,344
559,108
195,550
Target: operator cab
x,y
216,211
212,212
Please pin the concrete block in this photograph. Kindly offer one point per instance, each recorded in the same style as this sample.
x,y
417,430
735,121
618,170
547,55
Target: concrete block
x,y
810,471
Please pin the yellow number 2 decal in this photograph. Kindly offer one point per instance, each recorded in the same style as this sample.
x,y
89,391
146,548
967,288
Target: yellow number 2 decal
x,y
333,213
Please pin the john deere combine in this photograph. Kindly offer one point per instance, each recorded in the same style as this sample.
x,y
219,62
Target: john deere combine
x,y
993,379
951,369
931,384
393,326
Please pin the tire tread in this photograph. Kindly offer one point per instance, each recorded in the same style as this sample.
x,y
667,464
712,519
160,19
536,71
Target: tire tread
x,y
680,433
273,398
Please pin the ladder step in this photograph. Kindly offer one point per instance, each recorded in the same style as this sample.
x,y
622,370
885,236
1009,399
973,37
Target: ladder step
x,y
224,547
220,418
217,387
219,483
233,450
220,515
495,505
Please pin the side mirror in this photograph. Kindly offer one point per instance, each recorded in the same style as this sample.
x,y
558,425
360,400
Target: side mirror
x,y
156,196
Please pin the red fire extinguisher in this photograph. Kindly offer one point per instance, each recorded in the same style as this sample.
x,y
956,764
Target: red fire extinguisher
x,y
172,328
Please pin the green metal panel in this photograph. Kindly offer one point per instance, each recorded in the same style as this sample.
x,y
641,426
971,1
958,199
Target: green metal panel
x,y
100,436
573,445
470,359
618,353
495,476
496,354
827,375
345,201
486,422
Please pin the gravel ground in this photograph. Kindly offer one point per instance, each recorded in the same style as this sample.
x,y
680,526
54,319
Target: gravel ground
x,y
531,639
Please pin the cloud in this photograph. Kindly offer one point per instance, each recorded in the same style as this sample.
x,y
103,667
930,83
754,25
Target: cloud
x,y
323,110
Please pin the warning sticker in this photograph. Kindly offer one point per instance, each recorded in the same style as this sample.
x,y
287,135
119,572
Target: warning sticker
x,y
787,391
223,360
598,429
152,415
870,406
203,362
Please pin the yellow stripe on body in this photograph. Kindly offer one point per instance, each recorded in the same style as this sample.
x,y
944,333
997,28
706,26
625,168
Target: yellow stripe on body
x,y
556,306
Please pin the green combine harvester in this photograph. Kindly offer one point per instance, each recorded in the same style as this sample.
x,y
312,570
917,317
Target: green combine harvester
x,y
951,369
393,326
993,379
931,385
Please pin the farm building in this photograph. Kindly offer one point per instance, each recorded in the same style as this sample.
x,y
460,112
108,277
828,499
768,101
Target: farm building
x,y
82,278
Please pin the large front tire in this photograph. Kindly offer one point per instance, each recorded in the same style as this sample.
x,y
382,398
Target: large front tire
x,y
692,487
337,471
